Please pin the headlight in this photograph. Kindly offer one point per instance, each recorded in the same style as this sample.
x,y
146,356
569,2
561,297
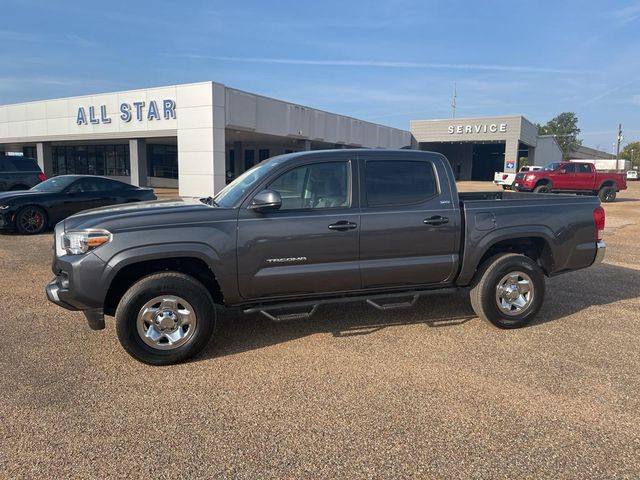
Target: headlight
x,y
83,241
530,177
5,207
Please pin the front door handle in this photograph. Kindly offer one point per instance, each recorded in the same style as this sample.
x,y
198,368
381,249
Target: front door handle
x,y
436,220
342,226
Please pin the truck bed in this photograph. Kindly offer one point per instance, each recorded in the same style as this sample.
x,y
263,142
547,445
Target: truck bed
x,y
560,223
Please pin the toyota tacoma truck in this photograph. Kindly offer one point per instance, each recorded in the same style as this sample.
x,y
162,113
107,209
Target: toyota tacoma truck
x,y
572,177
303,229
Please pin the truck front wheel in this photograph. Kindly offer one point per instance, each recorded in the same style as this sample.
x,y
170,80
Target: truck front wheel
x,y
508,290
165,318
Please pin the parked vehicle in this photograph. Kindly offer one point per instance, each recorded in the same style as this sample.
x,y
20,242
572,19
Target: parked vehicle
x,y
572,177
19,173
32,211
308,228
632,175
506,179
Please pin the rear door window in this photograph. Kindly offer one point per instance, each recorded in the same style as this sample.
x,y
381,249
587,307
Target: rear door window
x,y
18,164
26,164
398,182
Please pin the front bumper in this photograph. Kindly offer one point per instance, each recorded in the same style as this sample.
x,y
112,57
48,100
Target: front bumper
x,y
522,186
6,220
79,285
601,248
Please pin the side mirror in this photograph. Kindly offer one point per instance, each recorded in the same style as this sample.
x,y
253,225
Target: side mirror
x,y
563,171
266,200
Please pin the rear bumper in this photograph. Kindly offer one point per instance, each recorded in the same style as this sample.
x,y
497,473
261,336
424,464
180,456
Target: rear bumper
x,y
601,248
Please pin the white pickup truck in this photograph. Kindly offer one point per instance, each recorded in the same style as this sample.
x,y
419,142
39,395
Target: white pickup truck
x,y
506,179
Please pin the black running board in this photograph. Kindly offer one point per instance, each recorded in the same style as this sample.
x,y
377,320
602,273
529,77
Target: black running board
x,y
281,312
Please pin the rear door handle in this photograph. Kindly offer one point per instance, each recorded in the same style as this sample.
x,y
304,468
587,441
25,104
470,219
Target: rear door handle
x,y
342,226
436,220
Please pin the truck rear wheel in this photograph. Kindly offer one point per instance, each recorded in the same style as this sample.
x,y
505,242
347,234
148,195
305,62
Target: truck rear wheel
x,y
508,290
607,194
165,318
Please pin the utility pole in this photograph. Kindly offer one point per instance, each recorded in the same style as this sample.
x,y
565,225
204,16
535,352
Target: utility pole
x,y
453,101
620,137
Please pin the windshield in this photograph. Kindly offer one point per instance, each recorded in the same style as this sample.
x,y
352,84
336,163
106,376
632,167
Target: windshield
x,y
549,167
233,192
54,185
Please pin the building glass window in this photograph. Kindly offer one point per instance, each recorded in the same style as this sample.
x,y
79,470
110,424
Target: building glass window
x,y
110,160
249,159
29,152
263,154
162,160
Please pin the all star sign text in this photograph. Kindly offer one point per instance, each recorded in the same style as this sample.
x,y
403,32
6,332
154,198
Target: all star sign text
x,y
138,111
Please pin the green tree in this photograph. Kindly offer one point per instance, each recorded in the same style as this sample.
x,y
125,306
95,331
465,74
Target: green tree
x,y
632,152
565,128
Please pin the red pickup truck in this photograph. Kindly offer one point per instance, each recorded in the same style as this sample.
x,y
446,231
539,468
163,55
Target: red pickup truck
x,y
572,177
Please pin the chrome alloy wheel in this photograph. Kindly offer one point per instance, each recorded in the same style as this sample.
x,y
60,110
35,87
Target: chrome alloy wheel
x,y
166,322
514,293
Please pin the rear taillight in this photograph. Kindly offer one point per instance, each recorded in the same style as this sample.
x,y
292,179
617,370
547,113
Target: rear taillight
x,y
598,218
504,177
42,177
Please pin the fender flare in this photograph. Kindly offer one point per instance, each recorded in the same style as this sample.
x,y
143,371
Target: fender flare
x,y
471,263
544,180
608,183
135,255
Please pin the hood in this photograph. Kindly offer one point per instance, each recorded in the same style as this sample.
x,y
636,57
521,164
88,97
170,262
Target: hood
x,y
139,214
12,195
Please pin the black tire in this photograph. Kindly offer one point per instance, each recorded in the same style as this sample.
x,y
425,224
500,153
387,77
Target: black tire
x,y
607,194
544,188
31,220
166,284
484,290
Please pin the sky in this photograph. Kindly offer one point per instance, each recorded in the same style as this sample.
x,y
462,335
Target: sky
x,y
386,62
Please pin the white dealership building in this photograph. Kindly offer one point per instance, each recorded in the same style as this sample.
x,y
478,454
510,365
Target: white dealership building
x,y
197,136
188,136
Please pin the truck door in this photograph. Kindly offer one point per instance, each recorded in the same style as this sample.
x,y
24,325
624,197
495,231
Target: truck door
x,y
584,177
310,244
565,177
409,222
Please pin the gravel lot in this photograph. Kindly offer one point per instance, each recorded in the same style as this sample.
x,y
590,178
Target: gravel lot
x,y
429,391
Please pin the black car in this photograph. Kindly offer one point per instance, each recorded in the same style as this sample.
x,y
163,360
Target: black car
x,y
19,173
32,211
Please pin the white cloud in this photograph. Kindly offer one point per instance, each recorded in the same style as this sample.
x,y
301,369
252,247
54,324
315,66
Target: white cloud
x,y
380,64
625,15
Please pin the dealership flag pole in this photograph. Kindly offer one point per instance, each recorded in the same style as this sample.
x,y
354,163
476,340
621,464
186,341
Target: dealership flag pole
x,y
453,102
620,137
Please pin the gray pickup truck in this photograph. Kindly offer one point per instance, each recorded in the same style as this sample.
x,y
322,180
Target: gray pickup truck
x,y
303,229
